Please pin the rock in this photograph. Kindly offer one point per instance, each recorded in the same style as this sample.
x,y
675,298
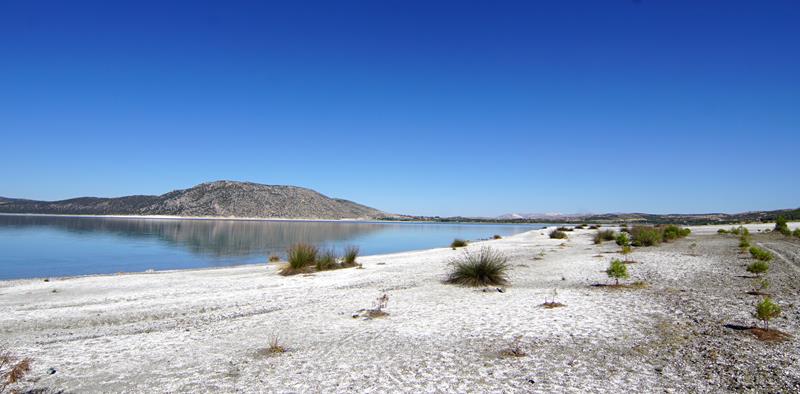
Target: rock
x,y
51,371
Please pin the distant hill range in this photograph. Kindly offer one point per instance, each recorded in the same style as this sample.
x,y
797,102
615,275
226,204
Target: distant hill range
x,y
646,218
215,199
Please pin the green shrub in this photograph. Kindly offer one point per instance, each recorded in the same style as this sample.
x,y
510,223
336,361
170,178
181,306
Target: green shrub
x,y
617,270
565,228
300,257
758,267
766,310
623,239
722,231
760,254
327,261
604,235
458,243
672,232
350,255
594,227
484,268
646,236
781,226
796,232
556,234
744,242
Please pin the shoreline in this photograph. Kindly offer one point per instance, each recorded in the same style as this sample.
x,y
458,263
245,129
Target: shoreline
x,y
206,330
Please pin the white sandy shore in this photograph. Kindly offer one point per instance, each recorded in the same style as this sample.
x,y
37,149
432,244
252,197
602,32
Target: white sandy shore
x,y
201,330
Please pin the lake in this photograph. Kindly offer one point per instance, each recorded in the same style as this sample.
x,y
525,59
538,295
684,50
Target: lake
x,y
53,246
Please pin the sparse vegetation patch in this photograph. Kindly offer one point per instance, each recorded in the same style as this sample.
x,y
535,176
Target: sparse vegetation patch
x,y
486,267
556,234
604,235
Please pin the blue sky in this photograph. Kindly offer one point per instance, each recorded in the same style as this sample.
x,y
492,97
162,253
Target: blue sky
x,y
436,108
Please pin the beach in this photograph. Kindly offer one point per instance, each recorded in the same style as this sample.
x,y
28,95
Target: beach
x,y
207,330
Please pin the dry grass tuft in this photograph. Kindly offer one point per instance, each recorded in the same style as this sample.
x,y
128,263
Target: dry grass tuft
x,y
275,347
12,369
553,304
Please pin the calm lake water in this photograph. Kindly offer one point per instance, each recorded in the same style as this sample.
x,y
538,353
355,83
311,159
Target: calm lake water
x,y
51,246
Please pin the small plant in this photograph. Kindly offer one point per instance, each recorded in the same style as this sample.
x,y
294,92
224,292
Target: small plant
x,y
646,236
758,267
564,228
327,261
458,243
604,235
760,285
379,306
796,232
515,350
617,270
760,254
556,234
622,239
722,231
626,250
350,255
672,232
274,347
274,258
594,227
551,303
767,310
781,226
12,369
483,268
301,256
497,236
744,242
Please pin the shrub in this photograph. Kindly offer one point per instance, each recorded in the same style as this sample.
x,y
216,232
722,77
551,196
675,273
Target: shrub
x,y
626,250
604,235
646,236
617,270
556,234
350,255
758,267
623,239
327,261
483,268
594,227
300,257
796,232
458,243
744,242
565,229
497,236
672,232
760,254
781,226
274,347
766,310
722,231
274,258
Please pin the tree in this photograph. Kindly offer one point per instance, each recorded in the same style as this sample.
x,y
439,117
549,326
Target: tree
x,y
767,310
781,226
617,270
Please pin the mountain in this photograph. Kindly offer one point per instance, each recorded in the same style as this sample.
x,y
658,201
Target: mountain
x,y
217,199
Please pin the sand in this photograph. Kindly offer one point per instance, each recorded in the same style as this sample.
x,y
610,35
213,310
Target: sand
x,y
206,330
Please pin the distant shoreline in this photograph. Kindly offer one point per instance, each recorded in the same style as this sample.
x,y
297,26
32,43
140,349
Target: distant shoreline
x,y
257,219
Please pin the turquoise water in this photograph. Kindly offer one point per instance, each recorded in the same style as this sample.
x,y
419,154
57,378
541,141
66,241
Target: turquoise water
x,y
52,246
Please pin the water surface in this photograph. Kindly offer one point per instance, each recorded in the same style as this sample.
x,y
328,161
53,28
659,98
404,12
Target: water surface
x,y
52,246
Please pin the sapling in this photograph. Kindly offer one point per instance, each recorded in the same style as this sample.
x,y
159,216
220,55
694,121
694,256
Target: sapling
x,y
617,270
626,250
758,267
767,310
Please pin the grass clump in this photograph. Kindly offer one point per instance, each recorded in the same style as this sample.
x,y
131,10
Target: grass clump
x,y
562,228
767,310
744,242
274,258
350,255
327,261
594,227
486,267
558,234
796,232
758,267
301,257
760,254
646,236
604,235
12,370
497,236
781,226
274,347
617,270
722,231
458,243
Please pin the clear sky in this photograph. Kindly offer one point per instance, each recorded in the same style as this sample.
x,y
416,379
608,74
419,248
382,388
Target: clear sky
x,y
438,108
